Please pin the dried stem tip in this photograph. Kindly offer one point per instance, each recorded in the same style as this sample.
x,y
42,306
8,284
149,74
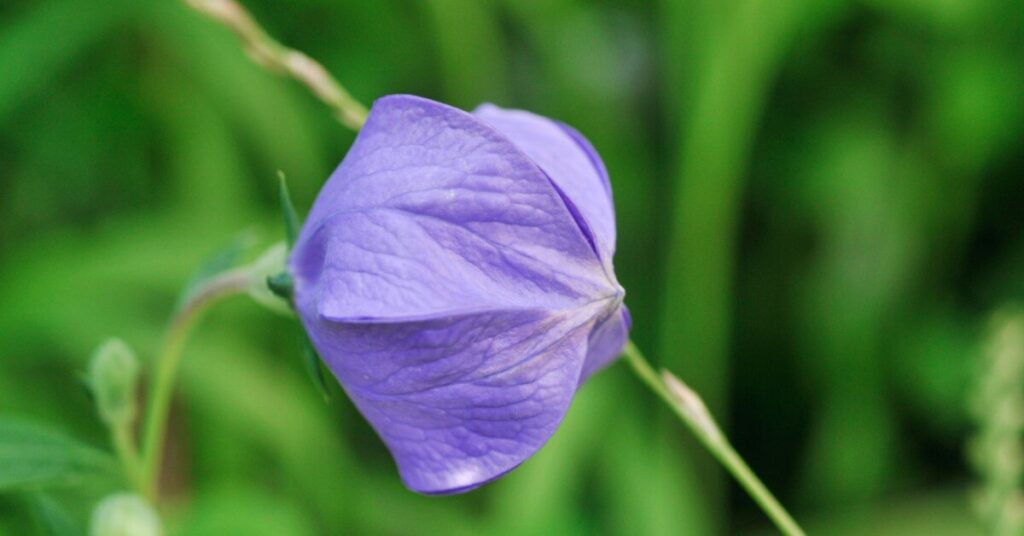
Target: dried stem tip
x,y
274,56
692,404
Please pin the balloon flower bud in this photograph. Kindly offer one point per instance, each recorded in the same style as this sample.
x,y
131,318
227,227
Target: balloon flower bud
x,y
455,274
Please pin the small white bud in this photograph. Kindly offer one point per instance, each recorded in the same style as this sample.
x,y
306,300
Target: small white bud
x,y
113,375
124,514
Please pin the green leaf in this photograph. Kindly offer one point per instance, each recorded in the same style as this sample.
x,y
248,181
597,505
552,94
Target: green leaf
x,y
35,456
291,219
316,372
51,517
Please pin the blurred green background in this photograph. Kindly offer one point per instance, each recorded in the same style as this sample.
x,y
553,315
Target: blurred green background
x,y
820,203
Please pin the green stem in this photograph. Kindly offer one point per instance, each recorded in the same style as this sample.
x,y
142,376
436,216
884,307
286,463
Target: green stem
x,y
127,453
691,410
163,377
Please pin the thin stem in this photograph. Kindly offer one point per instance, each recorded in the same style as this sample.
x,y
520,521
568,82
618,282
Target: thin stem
x,y
127,453
267,52
163,378
691,410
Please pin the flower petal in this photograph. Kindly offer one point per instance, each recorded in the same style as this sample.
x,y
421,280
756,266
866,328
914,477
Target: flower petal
x,y
606,341
434,213
460,401
569,160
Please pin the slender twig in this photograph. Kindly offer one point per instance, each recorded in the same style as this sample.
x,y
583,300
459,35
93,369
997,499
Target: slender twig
x,y
692,411
162,380
267,52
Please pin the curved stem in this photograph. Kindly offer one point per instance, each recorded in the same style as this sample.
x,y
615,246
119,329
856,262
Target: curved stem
x,y
691,410
127,453
163,377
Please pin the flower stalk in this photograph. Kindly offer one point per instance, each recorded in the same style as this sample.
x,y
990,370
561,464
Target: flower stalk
x,y
275,57
162,380
689,407
128,454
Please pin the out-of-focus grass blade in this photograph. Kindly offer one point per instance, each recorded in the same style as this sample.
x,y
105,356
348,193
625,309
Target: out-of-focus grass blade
x,y
33,455
471,58
649,480
245,511
208,172
936,512
37,45
51,517
268,112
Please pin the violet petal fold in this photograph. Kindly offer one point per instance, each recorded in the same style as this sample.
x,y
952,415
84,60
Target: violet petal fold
x,y
569,160
455,275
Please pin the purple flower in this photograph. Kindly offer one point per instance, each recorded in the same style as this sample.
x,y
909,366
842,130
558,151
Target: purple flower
x,y
455,274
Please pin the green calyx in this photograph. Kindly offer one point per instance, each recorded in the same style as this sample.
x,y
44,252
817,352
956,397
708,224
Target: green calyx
x,y
282,285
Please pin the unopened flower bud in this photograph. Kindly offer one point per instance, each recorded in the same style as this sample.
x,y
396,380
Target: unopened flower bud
x,y
112,377
124,514
455,274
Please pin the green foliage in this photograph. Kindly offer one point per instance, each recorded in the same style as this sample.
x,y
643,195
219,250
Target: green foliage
x,y
51,517
33,456
242,511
